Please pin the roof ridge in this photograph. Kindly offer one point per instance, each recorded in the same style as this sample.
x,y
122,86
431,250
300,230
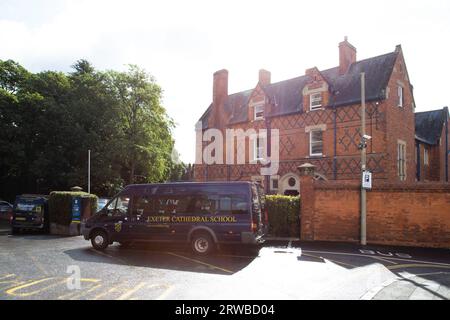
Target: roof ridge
x,y
441,109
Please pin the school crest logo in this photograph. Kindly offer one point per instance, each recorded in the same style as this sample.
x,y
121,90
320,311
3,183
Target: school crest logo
x,y
118,227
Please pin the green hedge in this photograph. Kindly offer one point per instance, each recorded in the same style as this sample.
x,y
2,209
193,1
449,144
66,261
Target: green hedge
x,y
60,205
283,214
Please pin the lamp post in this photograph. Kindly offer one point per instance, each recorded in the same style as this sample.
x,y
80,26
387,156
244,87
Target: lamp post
x,y
363,146
89,171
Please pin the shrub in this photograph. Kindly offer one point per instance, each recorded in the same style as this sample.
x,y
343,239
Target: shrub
x,y
60,205
283,214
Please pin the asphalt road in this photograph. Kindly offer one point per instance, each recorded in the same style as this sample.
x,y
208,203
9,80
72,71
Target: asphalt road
x,y
46,267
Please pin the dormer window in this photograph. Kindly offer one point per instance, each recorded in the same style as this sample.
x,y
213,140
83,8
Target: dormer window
x,y
259,112
315,101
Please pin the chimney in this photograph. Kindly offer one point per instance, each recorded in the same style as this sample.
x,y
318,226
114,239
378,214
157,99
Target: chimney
x,y
347,55
220,86
264,77
220,94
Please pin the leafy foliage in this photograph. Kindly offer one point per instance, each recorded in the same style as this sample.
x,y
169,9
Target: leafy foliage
x,y
60,205
284,212
49,121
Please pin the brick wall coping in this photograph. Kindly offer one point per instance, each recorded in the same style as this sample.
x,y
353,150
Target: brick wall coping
x,y
434,187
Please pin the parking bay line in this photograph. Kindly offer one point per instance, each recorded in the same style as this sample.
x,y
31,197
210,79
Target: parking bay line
x,y
200,262
366,255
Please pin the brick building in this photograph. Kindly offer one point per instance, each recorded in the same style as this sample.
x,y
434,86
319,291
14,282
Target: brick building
x,y
432,145
318,118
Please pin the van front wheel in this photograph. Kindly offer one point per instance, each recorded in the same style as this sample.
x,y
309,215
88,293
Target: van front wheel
x,y
202,244
99,240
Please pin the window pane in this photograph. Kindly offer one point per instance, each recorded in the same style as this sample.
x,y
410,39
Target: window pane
x,y
316,142
239,205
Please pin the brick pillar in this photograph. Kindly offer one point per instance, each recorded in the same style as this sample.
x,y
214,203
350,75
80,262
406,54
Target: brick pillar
x,y
307,199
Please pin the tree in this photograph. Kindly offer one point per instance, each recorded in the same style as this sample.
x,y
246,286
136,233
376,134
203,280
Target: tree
x,y
146,128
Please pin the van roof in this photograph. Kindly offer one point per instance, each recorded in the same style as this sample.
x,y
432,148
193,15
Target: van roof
x,y
133,186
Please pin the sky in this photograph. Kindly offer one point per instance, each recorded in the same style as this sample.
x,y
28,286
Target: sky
x,y
182,43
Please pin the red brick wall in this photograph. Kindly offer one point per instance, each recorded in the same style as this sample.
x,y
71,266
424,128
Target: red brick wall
x,y
397,214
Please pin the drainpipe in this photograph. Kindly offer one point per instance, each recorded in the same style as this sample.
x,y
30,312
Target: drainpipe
x,y
418,160
335,143
446,144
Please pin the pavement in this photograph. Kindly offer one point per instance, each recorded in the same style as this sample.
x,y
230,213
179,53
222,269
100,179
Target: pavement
x,y
36,266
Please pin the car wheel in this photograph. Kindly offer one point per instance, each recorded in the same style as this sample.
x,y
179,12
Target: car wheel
x,y
202,244
99,240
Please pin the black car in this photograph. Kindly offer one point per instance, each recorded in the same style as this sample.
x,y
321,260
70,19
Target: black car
x,y
201,214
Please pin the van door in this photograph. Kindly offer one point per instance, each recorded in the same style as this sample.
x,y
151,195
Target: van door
x,y
116,218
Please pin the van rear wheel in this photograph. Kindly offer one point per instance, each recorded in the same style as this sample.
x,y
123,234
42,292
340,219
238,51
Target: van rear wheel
x,y
99,240
202,244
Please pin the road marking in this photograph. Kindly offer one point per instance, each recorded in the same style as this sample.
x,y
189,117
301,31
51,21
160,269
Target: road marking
x,y
201,262
417,265
128,293
113,289
13,290
165,293
335,261
367,256
7,276
381,259
76,293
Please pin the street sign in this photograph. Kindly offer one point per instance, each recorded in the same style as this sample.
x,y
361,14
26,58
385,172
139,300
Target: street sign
x,y
76,209
367,180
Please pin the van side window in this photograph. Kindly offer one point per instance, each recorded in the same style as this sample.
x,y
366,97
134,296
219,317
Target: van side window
x,y
175,204
142,205
239,205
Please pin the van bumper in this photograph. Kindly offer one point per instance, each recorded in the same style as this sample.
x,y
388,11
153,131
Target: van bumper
x,y
251,238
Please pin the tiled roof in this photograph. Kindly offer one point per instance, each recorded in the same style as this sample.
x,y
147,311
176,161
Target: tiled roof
x,y
346,89
429,125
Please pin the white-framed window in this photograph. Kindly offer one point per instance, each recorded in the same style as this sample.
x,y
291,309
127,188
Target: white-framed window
x,y
401,159
400,96
315,101
258,112
316,142
425,156
259,148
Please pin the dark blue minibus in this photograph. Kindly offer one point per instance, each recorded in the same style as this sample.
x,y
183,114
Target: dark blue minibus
x,y
30,212
204,214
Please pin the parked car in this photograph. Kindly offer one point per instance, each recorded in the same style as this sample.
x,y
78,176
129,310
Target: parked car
x,y
202,214
30,212
5,210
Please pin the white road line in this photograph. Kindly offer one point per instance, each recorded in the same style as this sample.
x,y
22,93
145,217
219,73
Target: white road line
x,y
368,256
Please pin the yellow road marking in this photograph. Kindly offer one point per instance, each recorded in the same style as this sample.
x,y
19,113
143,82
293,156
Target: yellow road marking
x,y
128,293
13,290
76,293
7,276
417,265
113,289
165,293
200,262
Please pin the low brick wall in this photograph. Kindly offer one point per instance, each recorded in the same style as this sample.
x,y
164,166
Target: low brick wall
x,y
415,214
